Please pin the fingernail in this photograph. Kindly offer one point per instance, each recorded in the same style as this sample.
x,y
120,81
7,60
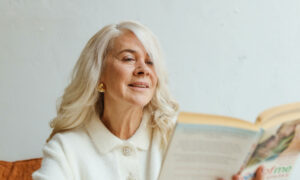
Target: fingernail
x,y
235,177
261,168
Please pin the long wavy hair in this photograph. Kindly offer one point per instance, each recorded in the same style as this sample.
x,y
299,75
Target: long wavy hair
x,y
81,100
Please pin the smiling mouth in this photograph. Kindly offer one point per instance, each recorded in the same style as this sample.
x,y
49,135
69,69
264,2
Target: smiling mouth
x,y
139,85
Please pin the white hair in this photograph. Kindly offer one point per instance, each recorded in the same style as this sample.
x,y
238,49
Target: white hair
x,y
81,100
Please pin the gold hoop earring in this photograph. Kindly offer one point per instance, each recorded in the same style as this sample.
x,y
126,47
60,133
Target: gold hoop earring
x,y
100,88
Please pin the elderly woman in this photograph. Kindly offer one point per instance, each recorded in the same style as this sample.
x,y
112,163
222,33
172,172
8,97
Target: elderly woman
x,y
116,115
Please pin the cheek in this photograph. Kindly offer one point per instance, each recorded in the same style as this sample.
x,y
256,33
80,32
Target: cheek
x,y
154,78
120,76
154,88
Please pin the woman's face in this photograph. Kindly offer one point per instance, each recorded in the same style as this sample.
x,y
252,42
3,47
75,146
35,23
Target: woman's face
x,y
128,74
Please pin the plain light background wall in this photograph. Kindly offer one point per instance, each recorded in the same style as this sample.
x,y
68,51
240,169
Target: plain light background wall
x,y
231,57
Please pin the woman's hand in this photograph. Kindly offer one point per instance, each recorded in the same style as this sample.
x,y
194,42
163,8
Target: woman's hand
x,y
258,174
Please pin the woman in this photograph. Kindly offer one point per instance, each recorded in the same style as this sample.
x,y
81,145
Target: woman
x,y
120,79
116,116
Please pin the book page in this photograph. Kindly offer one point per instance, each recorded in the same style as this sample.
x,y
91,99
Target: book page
x,y
206,152
211,119
278,115
277,151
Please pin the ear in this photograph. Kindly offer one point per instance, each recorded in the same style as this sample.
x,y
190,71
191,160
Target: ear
x,y
101,76
101,79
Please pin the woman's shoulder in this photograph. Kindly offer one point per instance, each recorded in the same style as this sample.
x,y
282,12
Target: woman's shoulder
x,y
69,138
59,153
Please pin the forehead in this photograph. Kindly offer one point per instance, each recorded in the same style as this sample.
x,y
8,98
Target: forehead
x,y
127,40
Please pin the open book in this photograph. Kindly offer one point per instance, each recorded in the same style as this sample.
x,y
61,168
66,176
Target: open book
x,y
205,147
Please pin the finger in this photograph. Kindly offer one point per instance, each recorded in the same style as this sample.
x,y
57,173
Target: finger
x,y
235,177
259,173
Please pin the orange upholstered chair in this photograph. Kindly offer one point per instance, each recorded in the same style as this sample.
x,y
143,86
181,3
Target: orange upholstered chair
x,y
19,170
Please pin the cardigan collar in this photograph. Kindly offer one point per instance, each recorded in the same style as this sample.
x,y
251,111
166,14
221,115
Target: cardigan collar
x,y
105,141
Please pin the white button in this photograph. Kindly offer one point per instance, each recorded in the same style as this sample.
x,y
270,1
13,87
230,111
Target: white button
x,y
127,151
131,177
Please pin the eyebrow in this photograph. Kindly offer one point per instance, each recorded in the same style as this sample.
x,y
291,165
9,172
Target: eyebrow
x,y
127,50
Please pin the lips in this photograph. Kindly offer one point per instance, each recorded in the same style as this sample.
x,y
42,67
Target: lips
x,y
139,85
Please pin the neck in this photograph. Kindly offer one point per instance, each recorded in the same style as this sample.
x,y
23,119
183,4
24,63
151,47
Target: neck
x,y
122,119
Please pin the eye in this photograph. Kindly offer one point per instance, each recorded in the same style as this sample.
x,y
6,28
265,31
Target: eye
x,y
128,59
149,62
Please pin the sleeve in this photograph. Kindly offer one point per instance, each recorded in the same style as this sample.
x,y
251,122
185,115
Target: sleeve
x,y
54,164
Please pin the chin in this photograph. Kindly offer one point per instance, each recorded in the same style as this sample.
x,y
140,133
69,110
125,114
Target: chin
x,y
141,102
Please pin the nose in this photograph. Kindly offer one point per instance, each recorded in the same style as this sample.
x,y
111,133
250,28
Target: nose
x,y
141,69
